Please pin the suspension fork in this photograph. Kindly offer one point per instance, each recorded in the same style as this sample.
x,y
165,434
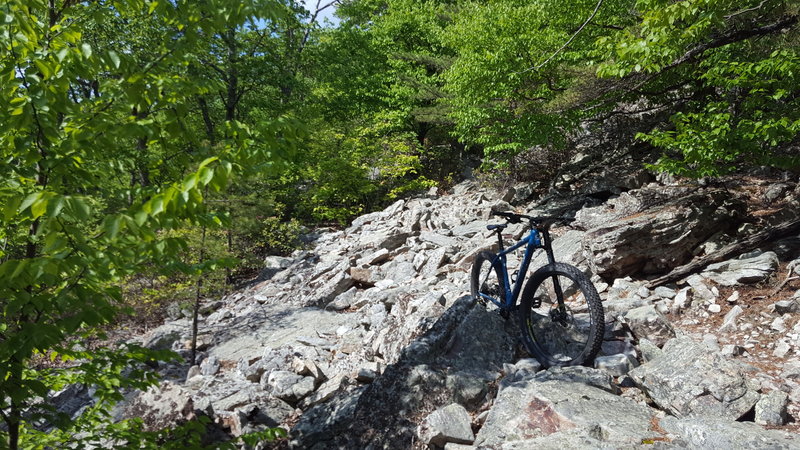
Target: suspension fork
x,y
551,259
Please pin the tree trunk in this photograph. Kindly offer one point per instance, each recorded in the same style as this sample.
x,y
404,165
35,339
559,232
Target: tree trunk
x,y
737,248
232,88
198,296
209,124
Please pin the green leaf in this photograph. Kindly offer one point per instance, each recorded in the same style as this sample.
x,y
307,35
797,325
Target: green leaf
x,y
39,207
29,200
156,204
112,226
79,208
86,50
114,58
44,68
205,175
11,208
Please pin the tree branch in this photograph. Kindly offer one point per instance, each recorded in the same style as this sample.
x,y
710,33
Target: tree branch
x,y
596,8
744,11
744,245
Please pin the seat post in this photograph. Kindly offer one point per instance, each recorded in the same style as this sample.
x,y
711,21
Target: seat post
x,y
499,239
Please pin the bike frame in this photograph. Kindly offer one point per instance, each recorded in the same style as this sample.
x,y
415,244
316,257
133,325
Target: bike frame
x,y
535,240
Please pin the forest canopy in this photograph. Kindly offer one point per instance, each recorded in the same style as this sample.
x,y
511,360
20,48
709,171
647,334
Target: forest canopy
x,y
154,151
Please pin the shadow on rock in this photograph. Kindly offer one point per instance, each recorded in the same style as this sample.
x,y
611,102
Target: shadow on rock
x,y
456,361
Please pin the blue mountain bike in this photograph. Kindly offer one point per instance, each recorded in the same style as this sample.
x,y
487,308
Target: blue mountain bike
x,y
560,314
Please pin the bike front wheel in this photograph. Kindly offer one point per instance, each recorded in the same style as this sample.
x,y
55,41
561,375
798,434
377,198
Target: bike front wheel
x,y
561,316
487,279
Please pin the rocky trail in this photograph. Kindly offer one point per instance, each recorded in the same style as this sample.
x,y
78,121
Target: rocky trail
x,y
369,338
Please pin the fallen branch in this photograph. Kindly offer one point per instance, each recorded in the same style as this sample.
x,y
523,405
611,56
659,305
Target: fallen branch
x,y
729,251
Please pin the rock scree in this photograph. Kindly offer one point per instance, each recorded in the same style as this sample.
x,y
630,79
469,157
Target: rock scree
x,y
369,338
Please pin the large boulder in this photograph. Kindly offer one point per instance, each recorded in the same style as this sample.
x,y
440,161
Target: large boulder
x,y
530,410
689,380
657,238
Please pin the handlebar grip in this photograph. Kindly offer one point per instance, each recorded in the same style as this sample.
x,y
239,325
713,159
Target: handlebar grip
x,y
511,217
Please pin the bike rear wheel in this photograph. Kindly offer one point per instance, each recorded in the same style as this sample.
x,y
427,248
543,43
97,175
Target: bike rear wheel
x,y
487,278
566,332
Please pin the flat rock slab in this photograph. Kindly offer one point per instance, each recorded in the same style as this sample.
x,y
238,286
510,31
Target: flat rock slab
x,y
276,326
530,410
719,433
743,271
689,380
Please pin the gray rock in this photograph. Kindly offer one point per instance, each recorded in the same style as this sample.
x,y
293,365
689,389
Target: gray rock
x,y
288,386
337,285
471,347
682,300
470,229
469,387
322,423
163,406
379,256
366,375
658,238
273,326
449,424
646,322
235,398
718,433
72,400
193,372
649,350
732,350
771,408
325,392
775,192
270,412
345,299
615,365
665,292
165,337
529,410
386,238
729,322
437,239
790,306
700,289
689,380
743,271
579,374
303,366
568,248
522,194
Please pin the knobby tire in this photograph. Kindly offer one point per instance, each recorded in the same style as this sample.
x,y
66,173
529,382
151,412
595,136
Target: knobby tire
x,y
555,337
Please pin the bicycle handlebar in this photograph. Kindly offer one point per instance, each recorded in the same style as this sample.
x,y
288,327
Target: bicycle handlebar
x,y
541,221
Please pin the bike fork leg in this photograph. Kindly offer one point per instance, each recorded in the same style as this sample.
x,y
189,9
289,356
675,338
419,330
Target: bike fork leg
x,y
562,309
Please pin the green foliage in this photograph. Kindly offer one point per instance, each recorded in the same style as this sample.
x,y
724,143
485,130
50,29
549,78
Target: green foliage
x,y
152,144
738,62
276,237
511,83
98,168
